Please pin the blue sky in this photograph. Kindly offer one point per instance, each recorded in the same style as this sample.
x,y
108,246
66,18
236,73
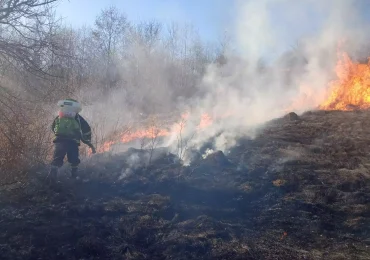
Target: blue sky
x,y
211,17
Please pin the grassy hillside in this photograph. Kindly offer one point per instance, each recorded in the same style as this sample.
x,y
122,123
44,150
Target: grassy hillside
x,y
299,190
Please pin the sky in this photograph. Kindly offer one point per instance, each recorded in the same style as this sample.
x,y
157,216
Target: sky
x,y
211,17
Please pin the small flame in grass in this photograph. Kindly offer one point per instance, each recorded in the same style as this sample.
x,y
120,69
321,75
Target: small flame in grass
x,y
284,235
205,121
147,133
154,132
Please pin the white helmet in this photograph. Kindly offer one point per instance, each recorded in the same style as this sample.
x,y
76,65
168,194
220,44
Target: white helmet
x,y
69,105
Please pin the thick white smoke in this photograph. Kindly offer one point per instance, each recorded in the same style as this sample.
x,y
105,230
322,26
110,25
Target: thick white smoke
x,y
264,30
255,84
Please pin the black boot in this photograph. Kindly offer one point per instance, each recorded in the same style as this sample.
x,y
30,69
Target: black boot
x,y
74,172
53,174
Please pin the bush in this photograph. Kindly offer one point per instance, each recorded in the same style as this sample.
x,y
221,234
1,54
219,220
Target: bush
x,y
25,140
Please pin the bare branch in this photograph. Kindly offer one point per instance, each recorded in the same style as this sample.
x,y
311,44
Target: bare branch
x,y
26,30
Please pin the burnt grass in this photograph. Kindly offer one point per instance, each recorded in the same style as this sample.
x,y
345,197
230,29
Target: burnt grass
x,y
299,190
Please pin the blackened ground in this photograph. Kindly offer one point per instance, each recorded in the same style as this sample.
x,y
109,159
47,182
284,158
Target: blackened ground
x,y
299,190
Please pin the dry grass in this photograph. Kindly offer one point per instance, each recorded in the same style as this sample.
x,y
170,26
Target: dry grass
x,y
25,141
300,190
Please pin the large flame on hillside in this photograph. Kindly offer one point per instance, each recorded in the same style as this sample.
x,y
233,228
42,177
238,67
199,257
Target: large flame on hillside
x,y
352,88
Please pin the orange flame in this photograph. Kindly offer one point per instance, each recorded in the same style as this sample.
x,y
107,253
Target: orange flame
x,y
155,132
205,121
148,133
351,89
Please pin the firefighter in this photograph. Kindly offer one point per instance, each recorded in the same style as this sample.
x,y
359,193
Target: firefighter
x,y
69,129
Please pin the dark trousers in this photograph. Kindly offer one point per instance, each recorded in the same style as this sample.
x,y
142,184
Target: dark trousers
x,y
69,148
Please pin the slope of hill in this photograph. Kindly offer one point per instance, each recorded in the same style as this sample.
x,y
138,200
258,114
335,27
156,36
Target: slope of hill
x,y
299,190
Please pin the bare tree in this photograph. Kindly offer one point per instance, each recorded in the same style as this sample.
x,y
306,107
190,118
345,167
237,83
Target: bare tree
x,y
182,142
147,34
154,131
109,32
29,44
143,142
171,41
26,27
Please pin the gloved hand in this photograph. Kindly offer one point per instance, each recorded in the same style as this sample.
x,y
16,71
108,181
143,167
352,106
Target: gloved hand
x,y
93,150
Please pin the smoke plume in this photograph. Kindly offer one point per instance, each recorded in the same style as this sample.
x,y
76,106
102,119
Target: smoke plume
x,y
286,51
264,29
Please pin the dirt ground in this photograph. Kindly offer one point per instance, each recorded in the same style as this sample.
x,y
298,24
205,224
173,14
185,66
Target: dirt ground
x,y
299,190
